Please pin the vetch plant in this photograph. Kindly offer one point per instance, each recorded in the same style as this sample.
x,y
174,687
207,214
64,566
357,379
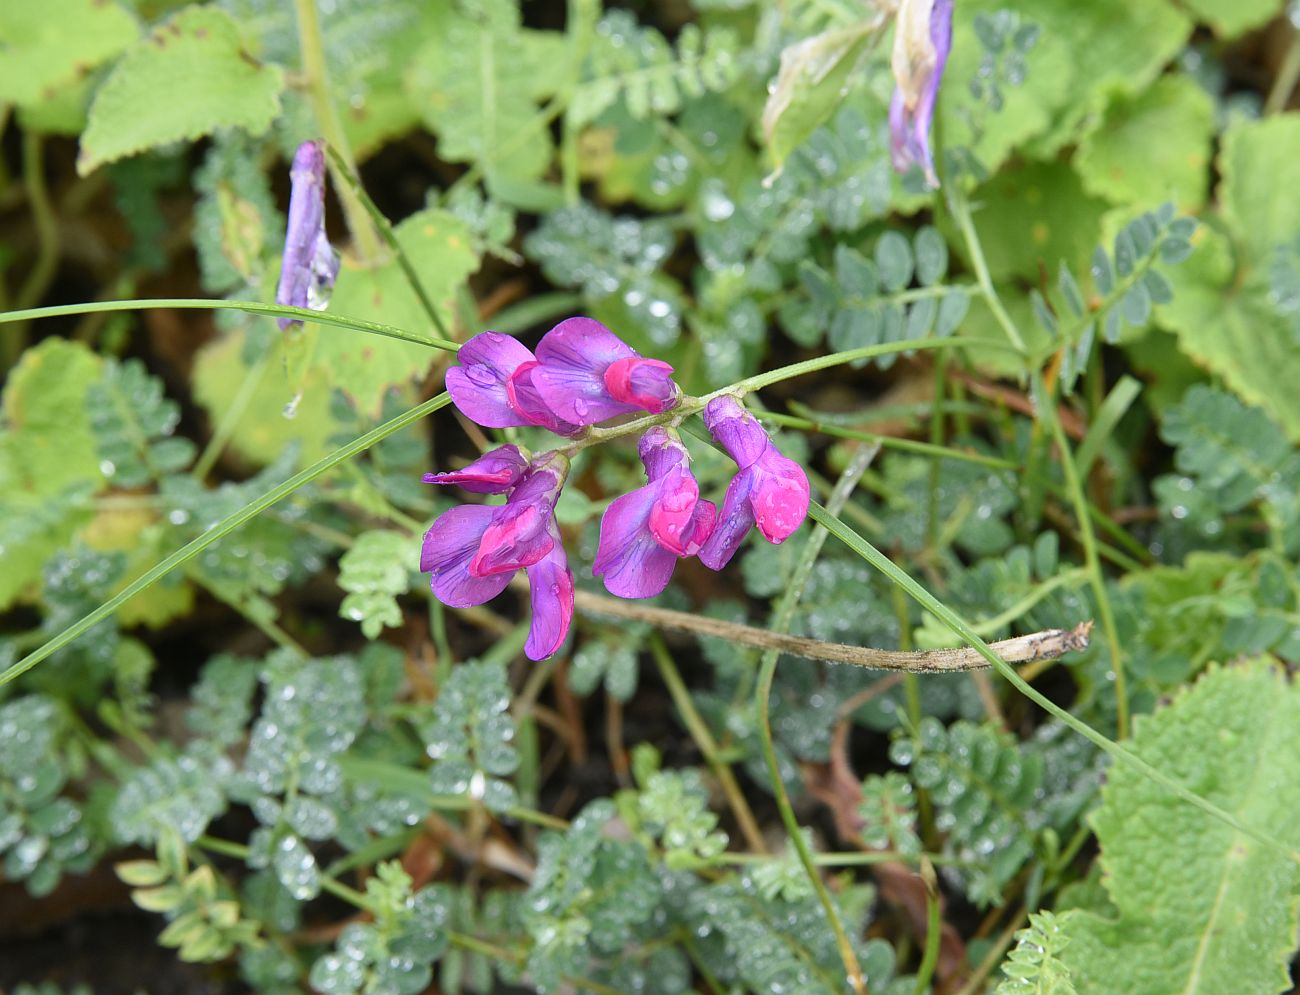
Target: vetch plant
x,y
1039,421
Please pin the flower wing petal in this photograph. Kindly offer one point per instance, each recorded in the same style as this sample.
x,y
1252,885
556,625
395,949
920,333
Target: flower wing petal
x,y
449,545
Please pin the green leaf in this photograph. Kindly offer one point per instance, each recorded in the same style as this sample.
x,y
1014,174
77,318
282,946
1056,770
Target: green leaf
x,y
478,82
45,47
1201,908
1230,18
1152,147
374,572
471,736
1222,311
1033,967
440,247
134,426
636,63
1085,52
810,85
1035,215
190,77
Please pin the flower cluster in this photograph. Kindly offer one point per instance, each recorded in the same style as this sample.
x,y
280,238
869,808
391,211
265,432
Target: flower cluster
x,y
582,374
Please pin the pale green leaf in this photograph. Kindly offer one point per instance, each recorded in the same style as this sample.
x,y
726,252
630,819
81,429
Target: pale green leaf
x,y
1085,53
1222,311
1202,908
190,77
1230,18
1151,148
46,46
440,247
374,572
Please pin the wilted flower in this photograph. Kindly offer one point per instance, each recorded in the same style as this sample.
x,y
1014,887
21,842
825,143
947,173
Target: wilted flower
x,y
643,533
770,491
310,264
582,374
473,551
922,40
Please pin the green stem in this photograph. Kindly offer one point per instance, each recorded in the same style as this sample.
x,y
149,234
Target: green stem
x,y
1115,750
47,229
708,746
959,207
767,673
933,933
312,46
220,531
345,171
249,307
1092,560
1279,95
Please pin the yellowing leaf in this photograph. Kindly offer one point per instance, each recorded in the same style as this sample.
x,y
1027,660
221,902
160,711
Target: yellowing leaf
x,y
46,46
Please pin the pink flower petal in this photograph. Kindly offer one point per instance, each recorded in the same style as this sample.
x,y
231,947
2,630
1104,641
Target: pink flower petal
x,y
494,472
551,588
478,385
449,545
644,383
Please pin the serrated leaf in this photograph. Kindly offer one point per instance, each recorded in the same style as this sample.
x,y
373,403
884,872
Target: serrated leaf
x,y
188,78
47,47
440,247
1201,907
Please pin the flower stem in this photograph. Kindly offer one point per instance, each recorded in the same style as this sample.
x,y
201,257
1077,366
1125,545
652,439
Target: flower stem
x,y
312,46
767,672
249,307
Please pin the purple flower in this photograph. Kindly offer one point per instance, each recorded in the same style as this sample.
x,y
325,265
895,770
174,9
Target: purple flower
x,y
472,551
582,374
494,472
770,491
922,40
587,374
310,264
643,533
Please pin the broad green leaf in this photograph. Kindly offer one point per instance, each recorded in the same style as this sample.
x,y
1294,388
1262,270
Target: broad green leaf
x,y
1230,18
1085,52
1034,216
811,82
1151,148
45,47
48,443
190,77
440,247
1202,908
1222,311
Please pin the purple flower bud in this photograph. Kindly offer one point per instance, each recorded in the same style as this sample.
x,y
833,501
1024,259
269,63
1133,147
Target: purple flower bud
x,y
770,491
922,40
494,472
587,374
472,551
643,533
310,264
